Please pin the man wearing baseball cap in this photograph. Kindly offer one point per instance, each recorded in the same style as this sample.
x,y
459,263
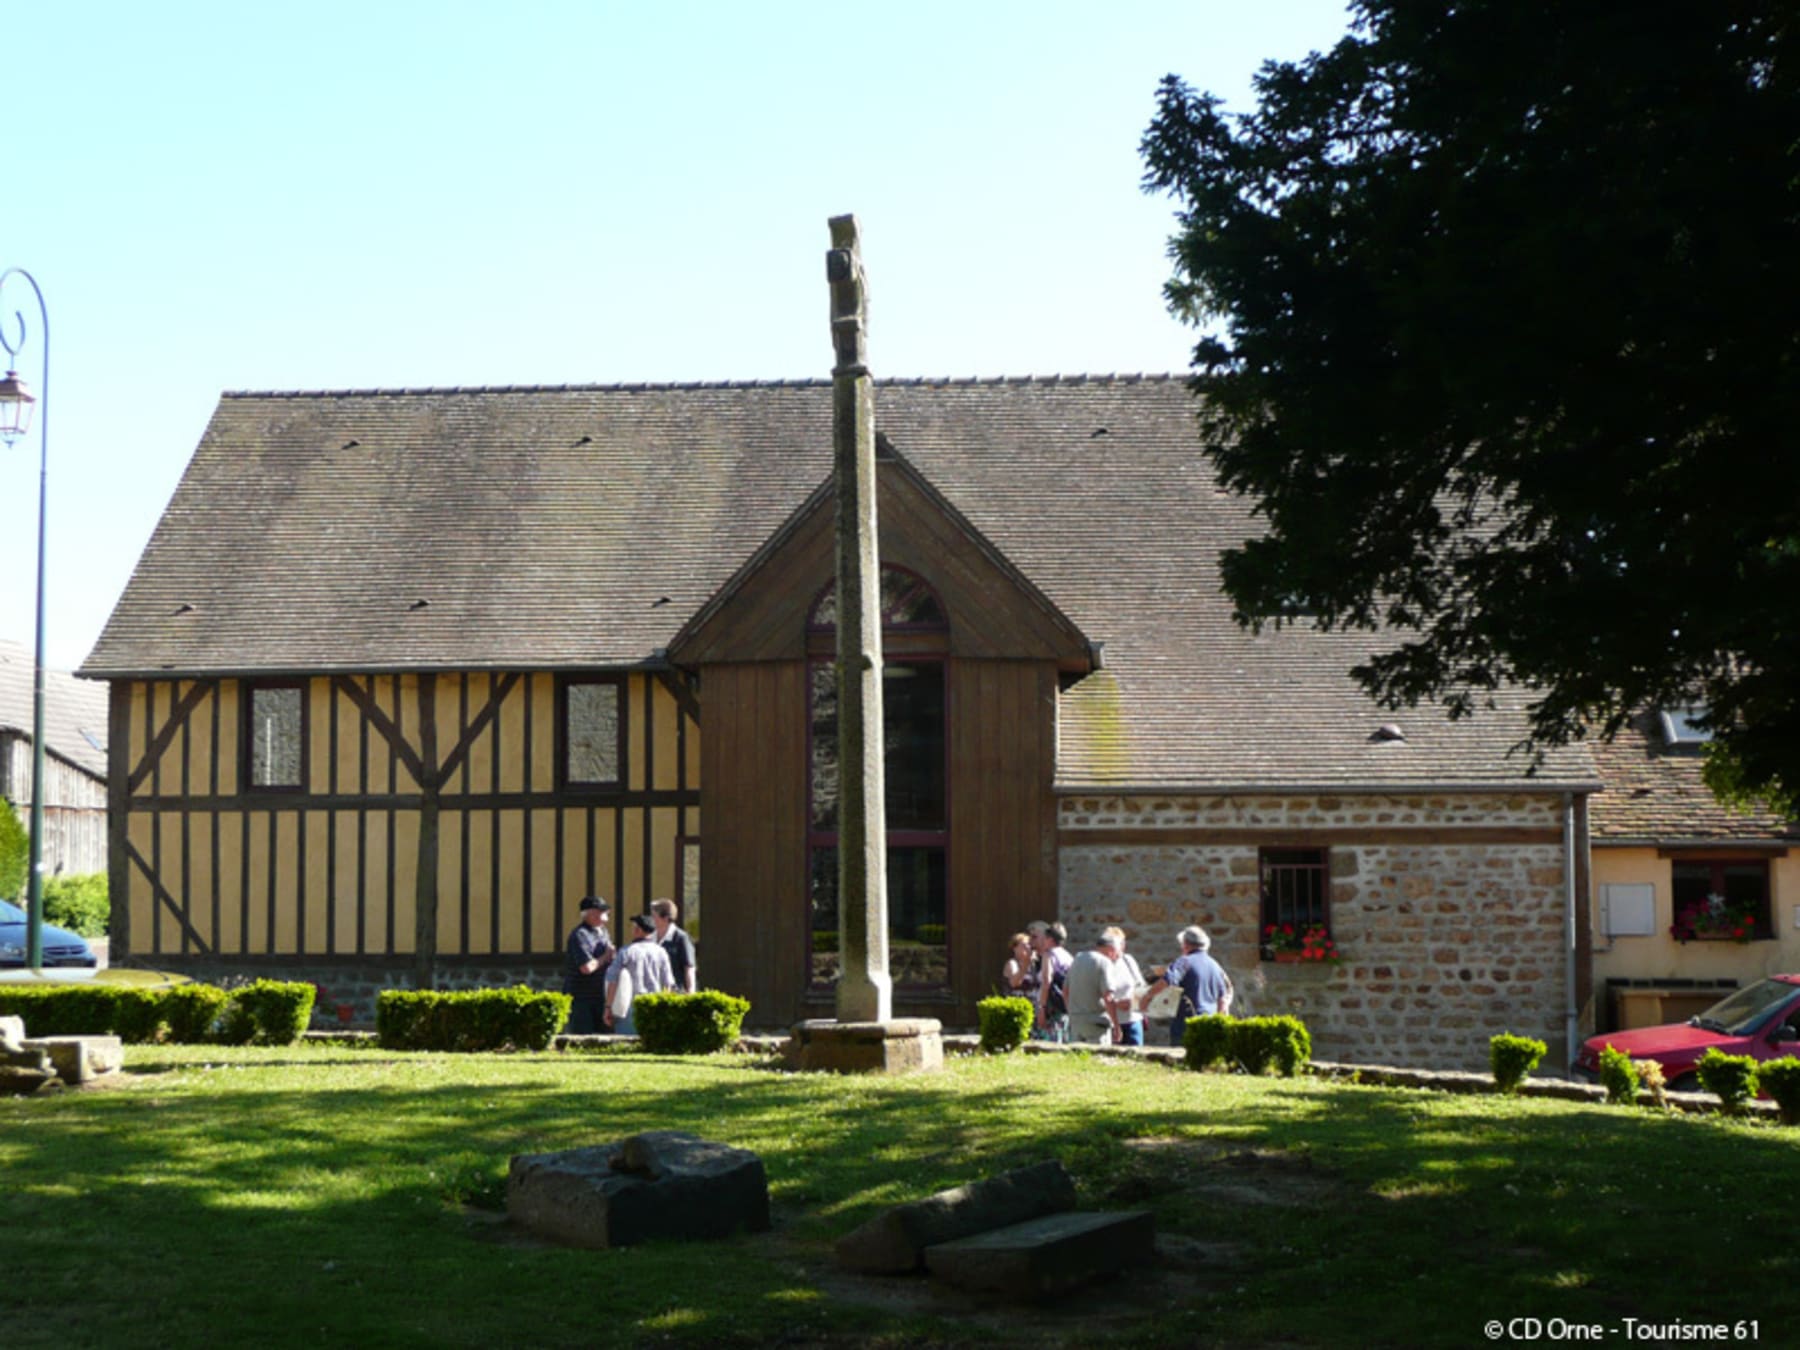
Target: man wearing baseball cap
x,y
585,959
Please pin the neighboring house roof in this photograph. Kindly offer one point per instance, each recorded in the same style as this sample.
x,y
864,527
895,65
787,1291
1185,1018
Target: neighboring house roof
x,y
74,710
583,527
1654,795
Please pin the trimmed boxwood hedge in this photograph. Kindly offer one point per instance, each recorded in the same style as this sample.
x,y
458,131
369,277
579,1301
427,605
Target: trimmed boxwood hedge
x,y
1512,1057
688,1024
268,1011
1005,1022
472,1019
1254,1043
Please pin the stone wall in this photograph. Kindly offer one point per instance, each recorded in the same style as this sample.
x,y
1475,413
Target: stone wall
x,y
1447,937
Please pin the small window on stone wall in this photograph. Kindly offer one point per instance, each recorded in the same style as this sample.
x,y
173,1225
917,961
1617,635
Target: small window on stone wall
x,y
1296,885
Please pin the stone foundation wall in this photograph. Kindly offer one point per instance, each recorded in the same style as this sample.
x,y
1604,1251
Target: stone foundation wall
x,y
1446,939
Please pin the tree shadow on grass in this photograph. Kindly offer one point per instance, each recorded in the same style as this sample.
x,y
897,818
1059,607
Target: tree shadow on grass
x,y
331,1204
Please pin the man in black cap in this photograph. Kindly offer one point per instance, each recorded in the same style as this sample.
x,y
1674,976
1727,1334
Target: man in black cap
x,y
585,960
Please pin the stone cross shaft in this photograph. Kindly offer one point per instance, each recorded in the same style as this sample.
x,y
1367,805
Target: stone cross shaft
x,y
864,991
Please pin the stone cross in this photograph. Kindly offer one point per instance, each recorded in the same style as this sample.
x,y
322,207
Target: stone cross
x,y
864,991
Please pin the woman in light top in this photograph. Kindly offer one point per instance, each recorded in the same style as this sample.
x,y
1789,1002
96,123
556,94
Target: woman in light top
x,y
1019,975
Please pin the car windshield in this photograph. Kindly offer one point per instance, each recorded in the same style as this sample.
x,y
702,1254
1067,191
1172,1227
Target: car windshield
x,y
11,913
1741,1013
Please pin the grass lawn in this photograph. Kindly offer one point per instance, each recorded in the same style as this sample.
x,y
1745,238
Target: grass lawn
x,y
326,1196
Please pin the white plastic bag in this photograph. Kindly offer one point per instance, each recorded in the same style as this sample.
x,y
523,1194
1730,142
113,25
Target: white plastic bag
x,y
622,994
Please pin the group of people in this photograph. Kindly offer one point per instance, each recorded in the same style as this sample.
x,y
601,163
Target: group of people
x,y
1099,997
604,981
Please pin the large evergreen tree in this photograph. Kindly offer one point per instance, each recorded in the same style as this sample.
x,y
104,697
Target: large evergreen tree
x,y
1502,313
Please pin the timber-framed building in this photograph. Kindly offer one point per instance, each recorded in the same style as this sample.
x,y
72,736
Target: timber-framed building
x,y
402,674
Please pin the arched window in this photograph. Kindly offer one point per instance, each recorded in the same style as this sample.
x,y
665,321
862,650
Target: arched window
x,y
915,642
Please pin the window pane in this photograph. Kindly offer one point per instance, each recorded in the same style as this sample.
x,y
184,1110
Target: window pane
x,y
912,703
592,733
1294,886
917,911
275,737
690,887
824,747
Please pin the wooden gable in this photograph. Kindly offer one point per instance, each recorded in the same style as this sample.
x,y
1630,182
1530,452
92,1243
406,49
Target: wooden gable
x,y
995,612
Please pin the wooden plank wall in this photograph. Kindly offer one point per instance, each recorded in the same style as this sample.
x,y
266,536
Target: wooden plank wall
x,y
1002,814
753,853
209,868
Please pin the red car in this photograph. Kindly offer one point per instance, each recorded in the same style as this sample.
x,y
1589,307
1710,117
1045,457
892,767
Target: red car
x,y
1761,1020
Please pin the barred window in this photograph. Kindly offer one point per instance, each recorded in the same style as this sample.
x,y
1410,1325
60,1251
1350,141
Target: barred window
x,y
1296,885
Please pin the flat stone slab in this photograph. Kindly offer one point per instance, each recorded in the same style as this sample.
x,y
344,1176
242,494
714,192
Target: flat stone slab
x,y
663,1184
894,1242
78,1059
900,1045
1047,1255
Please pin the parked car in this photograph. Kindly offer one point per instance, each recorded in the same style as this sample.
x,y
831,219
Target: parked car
x,y
1761,1020
61,947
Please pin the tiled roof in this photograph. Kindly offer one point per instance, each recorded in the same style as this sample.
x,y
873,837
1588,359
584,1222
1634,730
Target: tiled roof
x,y
1654,794
582,526
74,710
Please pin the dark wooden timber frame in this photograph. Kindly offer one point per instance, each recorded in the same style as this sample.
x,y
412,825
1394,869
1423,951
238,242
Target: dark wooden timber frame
x,y
225,864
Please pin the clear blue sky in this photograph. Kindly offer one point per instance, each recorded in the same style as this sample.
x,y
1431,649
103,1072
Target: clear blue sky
x,y
324,196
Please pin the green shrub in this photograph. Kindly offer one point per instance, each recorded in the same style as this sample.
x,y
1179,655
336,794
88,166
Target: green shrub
x,y
185,1013
1512,1057
15,854
1619,1077
1207,1040
931,934
688,1024
65,1010
1005,1023
267,1012
474,1019
1780,1078
78,903
192,1012
824,940
1730,1078
1259,1042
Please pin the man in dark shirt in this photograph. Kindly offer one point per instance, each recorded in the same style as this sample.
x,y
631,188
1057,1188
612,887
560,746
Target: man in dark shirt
x,y
584,970
678,945
1205,987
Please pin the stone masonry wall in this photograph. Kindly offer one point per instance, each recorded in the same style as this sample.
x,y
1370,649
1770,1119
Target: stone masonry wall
x,y
1446,940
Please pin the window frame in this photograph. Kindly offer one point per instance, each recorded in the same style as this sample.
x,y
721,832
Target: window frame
x,y
567,783
903,644
1716,865
247,759
1269,911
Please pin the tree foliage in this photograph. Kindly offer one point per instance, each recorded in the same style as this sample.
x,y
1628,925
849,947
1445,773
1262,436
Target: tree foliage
x,y
15,853
1500,331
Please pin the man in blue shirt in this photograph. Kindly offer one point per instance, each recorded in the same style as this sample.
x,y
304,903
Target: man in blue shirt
x,y
1205,987
585,959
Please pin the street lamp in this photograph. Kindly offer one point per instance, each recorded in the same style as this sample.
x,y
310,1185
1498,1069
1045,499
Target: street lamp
x,y
15,420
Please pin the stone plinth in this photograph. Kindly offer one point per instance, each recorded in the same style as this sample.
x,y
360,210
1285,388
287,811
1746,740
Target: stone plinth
x,y
662,1185
77,1059
894,1242
1044,1256
899,1045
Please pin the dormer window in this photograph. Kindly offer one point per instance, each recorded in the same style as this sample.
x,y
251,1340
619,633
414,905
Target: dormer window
x,y
1678,726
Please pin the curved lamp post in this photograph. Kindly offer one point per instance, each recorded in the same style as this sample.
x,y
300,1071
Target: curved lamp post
x,y
16,404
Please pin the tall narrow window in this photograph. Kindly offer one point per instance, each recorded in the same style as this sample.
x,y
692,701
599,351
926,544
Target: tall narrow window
x,y
914,728
276,737
590,725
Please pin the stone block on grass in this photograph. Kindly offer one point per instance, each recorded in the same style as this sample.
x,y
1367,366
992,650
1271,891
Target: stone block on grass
x,y
662,1185
894,1242
1047,1255
78,1059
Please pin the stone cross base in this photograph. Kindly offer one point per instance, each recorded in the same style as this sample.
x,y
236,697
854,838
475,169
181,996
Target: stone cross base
x,y
900,1045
